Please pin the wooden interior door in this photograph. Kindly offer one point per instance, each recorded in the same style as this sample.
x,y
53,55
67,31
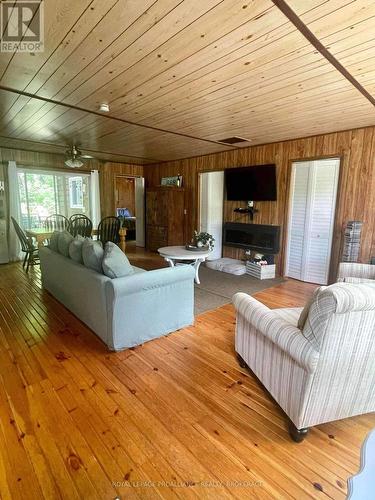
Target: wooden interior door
x,y
125,193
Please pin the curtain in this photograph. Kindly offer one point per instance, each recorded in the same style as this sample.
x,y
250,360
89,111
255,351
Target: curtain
x,y
14,211
95,198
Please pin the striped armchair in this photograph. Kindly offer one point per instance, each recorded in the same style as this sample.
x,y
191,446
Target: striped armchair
x,y
351,272
317,363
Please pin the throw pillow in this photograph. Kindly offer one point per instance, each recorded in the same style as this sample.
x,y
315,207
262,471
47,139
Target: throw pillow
x,y
305,311
65,239
54,241
92,254
115,262
75,249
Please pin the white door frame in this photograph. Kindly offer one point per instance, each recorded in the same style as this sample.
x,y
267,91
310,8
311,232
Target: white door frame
x,y
218,248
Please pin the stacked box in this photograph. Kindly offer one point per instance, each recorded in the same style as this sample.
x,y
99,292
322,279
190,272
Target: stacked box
x,y
261,272
352,241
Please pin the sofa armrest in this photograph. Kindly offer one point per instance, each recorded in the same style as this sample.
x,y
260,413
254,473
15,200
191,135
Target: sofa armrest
x,y
286,336
147,305
355,270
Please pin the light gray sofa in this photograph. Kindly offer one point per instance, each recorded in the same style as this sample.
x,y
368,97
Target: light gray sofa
x,y
123,312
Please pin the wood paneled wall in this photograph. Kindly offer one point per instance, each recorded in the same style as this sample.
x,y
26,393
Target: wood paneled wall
x,y
108,171
40,159
356,195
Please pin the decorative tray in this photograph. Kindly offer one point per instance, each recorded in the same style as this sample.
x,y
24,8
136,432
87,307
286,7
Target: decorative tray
x,y
193,248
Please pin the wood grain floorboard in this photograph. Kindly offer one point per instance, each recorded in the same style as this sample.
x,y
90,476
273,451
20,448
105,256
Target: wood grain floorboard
x,y
174,418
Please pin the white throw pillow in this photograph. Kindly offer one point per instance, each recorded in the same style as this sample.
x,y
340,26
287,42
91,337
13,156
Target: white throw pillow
x,y
92,254
115,263
54,241
65,239
75,249
305,311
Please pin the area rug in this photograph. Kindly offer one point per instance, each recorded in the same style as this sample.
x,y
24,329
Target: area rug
x,y
217,288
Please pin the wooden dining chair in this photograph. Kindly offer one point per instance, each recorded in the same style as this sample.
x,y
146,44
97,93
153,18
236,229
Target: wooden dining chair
x,y
56,222
108,230
27,246
81,225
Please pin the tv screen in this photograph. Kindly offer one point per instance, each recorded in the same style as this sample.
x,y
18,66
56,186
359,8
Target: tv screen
x,y
256,183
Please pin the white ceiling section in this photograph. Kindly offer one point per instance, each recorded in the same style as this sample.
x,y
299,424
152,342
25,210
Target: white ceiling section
x,y
180,75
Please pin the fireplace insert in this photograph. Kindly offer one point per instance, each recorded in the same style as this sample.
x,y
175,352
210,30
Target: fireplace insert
x,y
259,237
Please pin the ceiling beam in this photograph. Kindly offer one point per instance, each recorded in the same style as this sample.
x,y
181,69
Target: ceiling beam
x,y
109,117
309,35
62,146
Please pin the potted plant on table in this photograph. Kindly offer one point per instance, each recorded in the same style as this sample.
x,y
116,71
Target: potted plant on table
x,y
203,240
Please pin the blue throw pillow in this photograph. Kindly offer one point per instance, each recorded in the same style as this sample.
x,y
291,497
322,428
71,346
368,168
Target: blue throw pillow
x,y
75,249
92,255
54,241
65,239
115,263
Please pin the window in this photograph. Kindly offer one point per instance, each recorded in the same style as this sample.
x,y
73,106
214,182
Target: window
x,y
43,193
76,192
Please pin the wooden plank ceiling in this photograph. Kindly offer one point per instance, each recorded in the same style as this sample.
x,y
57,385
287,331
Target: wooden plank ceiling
x,y
180,75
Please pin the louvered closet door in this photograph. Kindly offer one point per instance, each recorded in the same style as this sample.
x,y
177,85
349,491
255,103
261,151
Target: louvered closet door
x,y
297,219
311,221
320,220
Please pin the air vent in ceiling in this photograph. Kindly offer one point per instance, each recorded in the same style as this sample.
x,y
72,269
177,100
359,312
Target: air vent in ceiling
x,y
234,140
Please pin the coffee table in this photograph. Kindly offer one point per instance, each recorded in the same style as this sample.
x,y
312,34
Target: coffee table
x,y
177,254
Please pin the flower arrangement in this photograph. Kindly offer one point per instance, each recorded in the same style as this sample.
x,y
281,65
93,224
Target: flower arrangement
x,y
203,239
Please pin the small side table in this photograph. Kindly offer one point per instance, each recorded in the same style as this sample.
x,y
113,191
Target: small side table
x,y
179,253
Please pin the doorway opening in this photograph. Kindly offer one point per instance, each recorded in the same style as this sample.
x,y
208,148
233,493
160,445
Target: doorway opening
x,y
129,207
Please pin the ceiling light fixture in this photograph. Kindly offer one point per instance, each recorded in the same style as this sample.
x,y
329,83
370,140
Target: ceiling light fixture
x,y
74,157
74,163
104,107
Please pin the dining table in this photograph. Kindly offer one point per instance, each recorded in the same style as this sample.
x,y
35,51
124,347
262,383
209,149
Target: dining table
x,y
42,235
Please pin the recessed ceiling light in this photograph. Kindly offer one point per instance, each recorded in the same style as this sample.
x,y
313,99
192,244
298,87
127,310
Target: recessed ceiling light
x,y
104,107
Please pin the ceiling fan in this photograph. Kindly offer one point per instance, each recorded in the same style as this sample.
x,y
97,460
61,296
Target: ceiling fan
x,y
74,157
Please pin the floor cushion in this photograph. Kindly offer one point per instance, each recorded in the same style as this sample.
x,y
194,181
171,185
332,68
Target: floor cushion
x,y
226,265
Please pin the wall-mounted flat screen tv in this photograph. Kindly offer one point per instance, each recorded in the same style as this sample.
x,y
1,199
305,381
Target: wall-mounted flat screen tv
x,y
257,183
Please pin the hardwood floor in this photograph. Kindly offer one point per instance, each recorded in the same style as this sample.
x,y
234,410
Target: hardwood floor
x,y
142,258
174,418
